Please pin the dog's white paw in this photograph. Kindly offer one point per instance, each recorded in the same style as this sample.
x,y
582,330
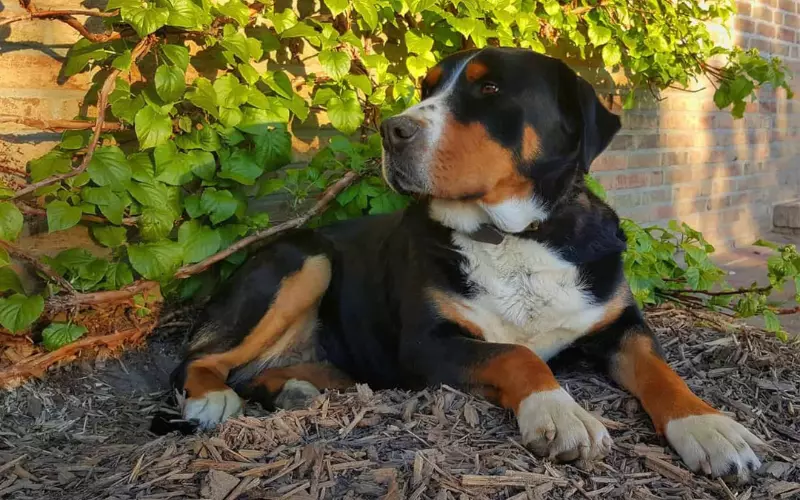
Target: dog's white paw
x,y
715,445
554,425
213,408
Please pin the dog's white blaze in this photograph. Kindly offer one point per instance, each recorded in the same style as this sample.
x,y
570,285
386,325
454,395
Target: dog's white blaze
x,y
528,295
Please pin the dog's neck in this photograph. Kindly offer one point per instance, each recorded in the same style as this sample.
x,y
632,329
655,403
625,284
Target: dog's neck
x,y
511,216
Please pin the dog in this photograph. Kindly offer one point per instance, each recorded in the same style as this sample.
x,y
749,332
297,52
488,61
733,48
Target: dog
x,y
503,262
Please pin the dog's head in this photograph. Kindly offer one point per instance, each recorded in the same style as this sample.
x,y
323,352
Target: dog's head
x,y
501,132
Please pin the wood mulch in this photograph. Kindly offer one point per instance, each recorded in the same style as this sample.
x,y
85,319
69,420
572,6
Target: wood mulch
x,y
83,433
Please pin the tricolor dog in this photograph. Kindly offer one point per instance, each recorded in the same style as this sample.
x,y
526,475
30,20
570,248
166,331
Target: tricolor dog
x,y
504,261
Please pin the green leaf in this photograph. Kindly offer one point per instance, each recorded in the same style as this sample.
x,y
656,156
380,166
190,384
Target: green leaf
x,y
234,9
118,274
345,114
771,321
152,127
109,167
249,73
80,54
145,20
203,96
155,223
595,187
170,84
10,281
740,88
58,335
418,44
198,241
418,65
323,96
177,55
149,195
273,149
335,64
230,93
19,312
53,162
172,167
280,83
99,195
122,62
598,35
302,30
241,167
368,12
202,163
156,260
192,205
236,42
110,236
361,82
220,205
336,6
186,14
611,54
4,258
125,108
73,258
60,216
230,117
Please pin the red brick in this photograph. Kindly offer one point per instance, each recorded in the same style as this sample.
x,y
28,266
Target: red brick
x,y
621,142
787,5
743,8
791,20
766,29
769,3
638,160
762,12
676,140
629,181
787,35
610,162
674,158
744,25
646,141
665,212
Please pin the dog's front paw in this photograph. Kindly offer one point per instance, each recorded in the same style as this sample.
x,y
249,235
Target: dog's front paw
x,y
212,408
715,445
554,425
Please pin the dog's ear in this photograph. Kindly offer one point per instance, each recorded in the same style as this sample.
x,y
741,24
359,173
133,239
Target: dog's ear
x,y
599,124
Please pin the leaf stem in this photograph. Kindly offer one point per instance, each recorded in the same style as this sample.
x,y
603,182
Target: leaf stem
x,y
40,266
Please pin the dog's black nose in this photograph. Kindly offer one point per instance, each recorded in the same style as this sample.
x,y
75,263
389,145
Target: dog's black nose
x,y
398,132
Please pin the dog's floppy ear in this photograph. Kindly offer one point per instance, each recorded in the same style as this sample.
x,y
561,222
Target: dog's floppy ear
x,y
599,124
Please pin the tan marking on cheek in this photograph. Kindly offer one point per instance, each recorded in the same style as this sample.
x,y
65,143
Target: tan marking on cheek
x,y
450,309
468,162
530,144
475,70
433,76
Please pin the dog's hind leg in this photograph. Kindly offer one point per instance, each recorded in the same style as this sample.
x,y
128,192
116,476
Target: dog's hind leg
x,y
219,349
293,387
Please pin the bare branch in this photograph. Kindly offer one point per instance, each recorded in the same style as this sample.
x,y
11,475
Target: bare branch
x,y
318,208
60,303
48,271
59,125
138,51
54,14
29,210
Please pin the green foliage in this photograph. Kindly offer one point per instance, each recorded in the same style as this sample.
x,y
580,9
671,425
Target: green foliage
x,y
60,334
196,153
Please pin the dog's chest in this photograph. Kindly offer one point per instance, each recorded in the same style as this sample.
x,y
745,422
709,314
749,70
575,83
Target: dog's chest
x,y
526,294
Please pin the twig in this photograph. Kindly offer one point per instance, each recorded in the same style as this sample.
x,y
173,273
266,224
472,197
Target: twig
x,y
65,16
583,10
50,14
788,310
29,210
763,289
36,365
318,207
138,51
39,265
59,125
83,299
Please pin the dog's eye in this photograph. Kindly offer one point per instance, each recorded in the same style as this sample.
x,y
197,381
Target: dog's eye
x,y
490,88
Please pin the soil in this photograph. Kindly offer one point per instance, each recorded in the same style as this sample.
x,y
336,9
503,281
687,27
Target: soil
x,y
82,433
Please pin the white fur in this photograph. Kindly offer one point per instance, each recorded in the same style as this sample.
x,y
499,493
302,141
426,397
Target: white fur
x,y
213,408
553,424
714,443
515,214
528,295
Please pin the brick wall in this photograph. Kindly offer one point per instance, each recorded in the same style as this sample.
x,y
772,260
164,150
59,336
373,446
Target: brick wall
x,y
675,158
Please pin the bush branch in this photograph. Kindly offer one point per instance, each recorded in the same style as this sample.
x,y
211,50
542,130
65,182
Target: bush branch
x,y
86,299
29,210
300,221
66,17
40,266
59,125
138,51
738,291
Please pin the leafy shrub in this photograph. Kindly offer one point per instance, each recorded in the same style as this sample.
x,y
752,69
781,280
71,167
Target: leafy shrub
x,y
196,121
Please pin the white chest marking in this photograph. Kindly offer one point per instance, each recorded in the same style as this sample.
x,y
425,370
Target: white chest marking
x,y
527,295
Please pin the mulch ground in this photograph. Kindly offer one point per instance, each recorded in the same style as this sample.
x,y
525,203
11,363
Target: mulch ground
x,y
83,433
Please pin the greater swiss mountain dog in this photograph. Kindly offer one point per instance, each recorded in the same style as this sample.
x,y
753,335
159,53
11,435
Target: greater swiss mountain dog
x,y
504,260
